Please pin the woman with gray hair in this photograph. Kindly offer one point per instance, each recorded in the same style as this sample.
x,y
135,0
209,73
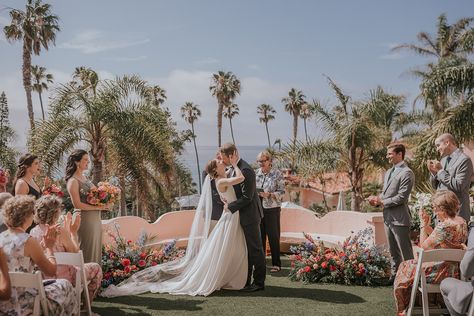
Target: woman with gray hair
x,y
270,187
47,213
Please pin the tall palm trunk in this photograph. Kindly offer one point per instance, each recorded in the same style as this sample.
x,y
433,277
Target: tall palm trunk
x,y
41,104
27,84
220,109
268,135
197,159
305,130
123,201
231,130
295,127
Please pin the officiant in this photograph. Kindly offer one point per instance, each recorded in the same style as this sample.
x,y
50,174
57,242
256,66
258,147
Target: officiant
x,y
271,188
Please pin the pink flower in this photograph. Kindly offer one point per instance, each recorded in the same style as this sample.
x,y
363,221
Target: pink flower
x,y
324,265
125,262
143,255
307,269
127,269
315,266
154,263
141,263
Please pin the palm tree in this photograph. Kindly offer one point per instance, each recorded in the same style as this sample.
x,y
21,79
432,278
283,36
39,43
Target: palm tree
x,y
293,103
159,95
37,28
306,113
229,112
119,124
225,87
41,80
266,112
359,132
86,78
452,44
191,112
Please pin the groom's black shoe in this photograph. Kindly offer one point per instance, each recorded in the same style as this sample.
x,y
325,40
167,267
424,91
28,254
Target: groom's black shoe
x,y
253,288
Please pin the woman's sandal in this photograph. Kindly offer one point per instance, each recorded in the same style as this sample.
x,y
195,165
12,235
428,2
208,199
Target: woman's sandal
x,y
275,269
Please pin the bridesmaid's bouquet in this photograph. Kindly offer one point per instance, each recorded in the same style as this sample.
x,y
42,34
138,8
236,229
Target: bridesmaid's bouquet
x,y
53,190
103,194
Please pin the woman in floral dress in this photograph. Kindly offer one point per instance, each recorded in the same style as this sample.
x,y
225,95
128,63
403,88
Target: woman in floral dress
x,y
450,232
23,253
47,212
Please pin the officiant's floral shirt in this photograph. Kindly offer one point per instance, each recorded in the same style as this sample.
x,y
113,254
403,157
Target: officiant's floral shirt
x,y
272,182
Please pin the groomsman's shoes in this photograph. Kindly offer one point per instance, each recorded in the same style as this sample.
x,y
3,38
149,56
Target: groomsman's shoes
x,y
253,288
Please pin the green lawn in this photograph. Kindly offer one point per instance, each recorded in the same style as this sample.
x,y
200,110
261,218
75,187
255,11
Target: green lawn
x,y
281,296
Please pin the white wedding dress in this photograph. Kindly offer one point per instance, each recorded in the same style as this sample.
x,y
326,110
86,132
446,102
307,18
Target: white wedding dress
x,y
212,262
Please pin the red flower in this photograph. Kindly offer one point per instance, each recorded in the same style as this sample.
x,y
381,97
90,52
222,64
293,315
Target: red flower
x,y
324,265
307,269
332,268
129,241
141,263
143,255
125,262
107,275
154,263
127,269
134,267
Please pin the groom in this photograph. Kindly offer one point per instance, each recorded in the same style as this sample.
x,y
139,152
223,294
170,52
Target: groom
x,y
251,213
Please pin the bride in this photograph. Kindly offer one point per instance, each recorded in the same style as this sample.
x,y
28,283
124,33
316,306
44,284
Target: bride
x,y
213,261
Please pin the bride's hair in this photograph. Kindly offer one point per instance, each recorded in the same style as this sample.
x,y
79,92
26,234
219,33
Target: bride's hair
x,y
211,168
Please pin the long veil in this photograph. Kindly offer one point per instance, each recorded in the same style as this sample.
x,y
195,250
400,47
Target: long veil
x,y
147,279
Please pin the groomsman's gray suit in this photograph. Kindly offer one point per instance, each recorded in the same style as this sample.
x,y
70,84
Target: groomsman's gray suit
x,y
456,177
457,294
397,187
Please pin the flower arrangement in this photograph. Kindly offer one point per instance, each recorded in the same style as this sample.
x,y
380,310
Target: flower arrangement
x,y
103,194
420,201
358,261
53,190
125,257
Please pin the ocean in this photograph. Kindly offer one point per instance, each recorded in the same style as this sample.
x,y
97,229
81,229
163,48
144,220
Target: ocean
x,y
206,153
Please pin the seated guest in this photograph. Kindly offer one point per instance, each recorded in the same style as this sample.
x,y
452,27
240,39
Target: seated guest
x,y
47,212
5,288
450,232
3,197
24,254
457,294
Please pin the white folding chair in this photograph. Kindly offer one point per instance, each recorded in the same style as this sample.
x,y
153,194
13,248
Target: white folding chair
x,y
32,281
420,284
77,260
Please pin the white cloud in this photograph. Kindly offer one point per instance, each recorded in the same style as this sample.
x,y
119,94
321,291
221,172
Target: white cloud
x,y
94,41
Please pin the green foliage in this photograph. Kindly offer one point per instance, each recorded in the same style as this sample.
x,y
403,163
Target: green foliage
x,y
7,153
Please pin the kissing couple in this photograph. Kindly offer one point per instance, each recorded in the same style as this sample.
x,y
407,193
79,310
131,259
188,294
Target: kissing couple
x,y
228,256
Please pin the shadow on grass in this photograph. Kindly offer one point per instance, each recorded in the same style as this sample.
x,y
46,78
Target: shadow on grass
x,y
128,304
320,295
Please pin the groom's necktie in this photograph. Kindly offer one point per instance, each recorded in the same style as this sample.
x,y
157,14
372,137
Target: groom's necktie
x,y
448,159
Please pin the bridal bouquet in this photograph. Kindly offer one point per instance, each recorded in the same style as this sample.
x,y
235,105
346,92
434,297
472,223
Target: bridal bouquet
x,y
53,190
359,261
125,257
103,194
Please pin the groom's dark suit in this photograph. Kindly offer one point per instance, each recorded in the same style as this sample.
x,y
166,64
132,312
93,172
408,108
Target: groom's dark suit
x,y
251,213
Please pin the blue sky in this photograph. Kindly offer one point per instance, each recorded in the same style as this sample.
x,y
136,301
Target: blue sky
x,y
271,46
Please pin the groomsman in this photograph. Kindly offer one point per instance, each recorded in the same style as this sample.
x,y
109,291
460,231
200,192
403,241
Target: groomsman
x,y
398,183
453,172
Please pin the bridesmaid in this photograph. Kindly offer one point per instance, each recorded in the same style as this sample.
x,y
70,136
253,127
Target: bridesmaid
x,y
78,186
24,183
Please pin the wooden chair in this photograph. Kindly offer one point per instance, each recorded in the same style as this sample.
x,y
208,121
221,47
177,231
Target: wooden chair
x,y
77,260
420,284
32,281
